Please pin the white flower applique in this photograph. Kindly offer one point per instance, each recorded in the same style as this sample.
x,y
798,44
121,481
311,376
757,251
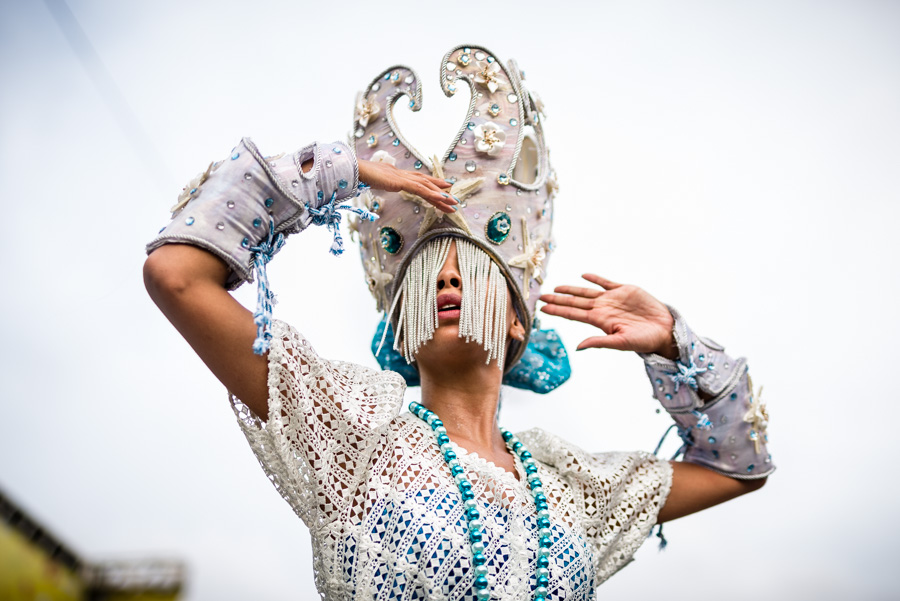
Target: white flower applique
x,y
383,156
377,281
191,189
537,103
489,138
757,417
366,110
552,183
531,259
487,75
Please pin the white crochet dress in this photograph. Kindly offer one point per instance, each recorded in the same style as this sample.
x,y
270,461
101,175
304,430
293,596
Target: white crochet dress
x,y
386,517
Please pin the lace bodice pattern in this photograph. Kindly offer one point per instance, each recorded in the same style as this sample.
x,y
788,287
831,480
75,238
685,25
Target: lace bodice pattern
x,y
385,515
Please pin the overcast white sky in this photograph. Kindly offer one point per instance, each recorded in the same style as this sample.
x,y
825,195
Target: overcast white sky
x,y
739,160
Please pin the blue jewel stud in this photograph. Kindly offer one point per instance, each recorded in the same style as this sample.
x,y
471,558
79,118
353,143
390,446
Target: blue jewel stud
x,y
269,202
513,122
189,221
498,227
503,179
342,184
396,142
391,240
451,156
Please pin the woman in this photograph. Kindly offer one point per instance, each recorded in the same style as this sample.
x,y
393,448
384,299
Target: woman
x,y
441,503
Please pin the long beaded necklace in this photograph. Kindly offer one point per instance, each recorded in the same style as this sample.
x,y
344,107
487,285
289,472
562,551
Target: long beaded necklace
x,y
473,517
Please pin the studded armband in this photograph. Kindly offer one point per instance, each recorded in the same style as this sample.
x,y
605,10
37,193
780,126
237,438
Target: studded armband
x,y
241,209
720,419
227,210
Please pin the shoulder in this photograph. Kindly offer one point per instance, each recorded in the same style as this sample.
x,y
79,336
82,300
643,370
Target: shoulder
x,y
609,470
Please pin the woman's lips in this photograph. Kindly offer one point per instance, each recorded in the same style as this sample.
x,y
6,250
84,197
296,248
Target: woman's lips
x,y
448,314
448,306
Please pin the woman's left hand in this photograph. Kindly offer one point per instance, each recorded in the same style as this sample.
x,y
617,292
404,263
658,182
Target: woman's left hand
x,y
629,316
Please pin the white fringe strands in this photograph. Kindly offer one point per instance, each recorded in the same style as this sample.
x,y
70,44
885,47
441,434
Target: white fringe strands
x,y
484,300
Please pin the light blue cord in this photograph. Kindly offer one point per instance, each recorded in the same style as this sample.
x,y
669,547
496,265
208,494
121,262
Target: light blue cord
x,y
663,439
328,216
262,317
703,422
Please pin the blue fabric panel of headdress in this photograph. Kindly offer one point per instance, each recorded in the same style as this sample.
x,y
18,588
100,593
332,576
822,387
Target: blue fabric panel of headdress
x,y
543,367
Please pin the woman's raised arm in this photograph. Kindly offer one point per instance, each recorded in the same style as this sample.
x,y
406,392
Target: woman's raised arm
x,y
709,395
229,222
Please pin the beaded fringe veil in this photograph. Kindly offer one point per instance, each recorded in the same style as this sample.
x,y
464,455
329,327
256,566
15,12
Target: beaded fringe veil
x,y
484,300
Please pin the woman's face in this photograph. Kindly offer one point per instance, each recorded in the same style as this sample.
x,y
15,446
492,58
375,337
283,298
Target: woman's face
x,y
446,345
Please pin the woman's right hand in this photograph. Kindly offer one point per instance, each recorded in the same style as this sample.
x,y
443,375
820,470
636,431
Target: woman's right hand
x,y
383,176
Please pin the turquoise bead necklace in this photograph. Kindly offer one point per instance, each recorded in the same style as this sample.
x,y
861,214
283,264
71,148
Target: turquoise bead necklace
x,y
473,517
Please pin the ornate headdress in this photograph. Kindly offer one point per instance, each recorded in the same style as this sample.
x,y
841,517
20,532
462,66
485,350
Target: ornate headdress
x,y
499,167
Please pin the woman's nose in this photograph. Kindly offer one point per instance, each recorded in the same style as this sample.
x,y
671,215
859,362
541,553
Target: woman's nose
x,y
448,280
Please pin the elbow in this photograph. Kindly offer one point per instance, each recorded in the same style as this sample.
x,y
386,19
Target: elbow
x,y
749,486
165,274
158,275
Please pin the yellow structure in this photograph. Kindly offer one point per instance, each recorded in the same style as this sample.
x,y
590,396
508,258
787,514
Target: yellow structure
x,y
34,566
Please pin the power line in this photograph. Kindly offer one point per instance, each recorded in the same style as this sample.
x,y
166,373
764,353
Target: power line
x,y
117,104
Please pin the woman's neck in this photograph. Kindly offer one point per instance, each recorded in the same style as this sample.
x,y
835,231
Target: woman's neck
x,y
466,400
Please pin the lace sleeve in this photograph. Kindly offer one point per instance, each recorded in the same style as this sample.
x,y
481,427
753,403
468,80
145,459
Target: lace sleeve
x,y
614,497
325,418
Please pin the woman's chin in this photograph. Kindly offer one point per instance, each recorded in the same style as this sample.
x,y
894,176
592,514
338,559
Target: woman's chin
x,y
446,346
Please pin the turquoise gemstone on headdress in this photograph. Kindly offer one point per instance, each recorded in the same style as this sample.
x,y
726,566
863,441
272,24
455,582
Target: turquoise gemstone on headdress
x,y
464,59
418,164
494,110
396,142
513,122
235,156
503,179
452,156
376,206
391,240
498,227
342,184
471,125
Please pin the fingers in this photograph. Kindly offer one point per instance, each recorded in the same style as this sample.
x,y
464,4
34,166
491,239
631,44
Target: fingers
x,y
600,281
441,200
440,183
613,341
578,291
573,313
568,301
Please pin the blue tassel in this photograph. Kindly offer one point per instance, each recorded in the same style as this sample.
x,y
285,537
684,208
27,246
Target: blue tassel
x,y
663,543
703,422
328,216
687,374
262,317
